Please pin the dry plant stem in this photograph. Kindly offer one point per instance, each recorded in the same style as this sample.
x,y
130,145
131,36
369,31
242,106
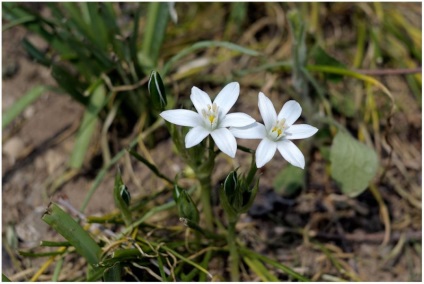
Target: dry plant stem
x,y
234,256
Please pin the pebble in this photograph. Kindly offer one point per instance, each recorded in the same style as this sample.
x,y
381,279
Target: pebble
x,y
13,148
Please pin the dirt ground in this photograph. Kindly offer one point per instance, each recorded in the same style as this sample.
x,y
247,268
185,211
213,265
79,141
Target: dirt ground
x,y
36,148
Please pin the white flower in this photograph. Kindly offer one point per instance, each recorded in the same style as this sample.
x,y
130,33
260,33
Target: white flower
x,y
211,118
277,132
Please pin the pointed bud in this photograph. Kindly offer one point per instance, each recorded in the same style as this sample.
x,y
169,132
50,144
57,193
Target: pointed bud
x,y
157,91
187,209
236,195
125,195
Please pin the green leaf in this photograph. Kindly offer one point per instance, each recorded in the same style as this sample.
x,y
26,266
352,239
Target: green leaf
x,y
206,44
289,180
122,198
157,91
157,20
17,108
65,225
113,274
152,167
4,278
87,127
353,164
35,53
321,57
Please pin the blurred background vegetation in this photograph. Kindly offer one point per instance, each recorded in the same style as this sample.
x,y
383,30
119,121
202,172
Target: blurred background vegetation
x,y
354,67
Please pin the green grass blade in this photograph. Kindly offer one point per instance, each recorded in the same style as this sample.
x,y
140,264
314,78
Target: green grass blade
x,y
65,225
113,274
274,263
17,22
123,205
54,244
207,44
87,127
260,270
57,270
157,20
35,53
39,254
97,23
350,73
152,167
4,278
17,108
69,83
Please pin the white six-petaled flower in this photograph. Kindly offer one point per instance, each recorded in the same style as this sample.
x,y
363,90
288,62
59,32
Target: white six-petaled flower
x,y
211,118
277,132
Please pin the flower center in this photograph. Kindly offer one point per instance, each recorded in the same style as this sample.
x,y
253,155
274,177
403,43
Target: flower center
x,y
277,131
210,115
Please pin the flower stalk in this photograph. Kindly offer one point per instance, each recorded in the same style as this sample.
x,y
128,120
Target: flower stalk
x,y
204,176
234,254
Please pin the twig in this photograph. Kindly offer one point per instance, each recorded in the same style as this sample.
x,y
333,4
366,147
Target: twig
x,y
371,237
387,72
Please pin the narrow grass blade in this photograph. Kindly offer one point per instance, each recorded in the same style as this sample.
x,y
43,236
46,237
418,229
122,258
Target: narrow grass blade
x,y
57,270
207,44
65,225
152,167
350,73
17,22
39,254
260,270
18,107
54,244
121,197
274,263
4,278
35,53
113,274
87,127
157,20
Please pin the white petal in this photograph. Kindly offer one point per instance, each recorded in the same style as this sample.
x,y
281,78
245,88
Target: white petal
x,y
182,117
195,136
291,153
291,111
265,152
300,131
200,99
227,97
267,110
236,119
225,141
254,131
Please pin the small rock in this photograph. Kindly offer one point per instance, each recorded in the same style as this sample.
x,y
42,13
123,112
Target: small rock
x,y
53,160
29,112
32,229
13,148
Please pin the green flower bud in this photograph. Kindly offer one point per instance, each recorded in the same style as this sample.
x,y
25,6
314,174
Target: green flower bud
x,y
157,91
236,195
187,209
125,194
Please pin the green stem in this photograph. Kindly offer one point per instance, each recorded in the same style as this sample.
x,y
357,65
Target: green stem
x,y
234,255
252,171
204,177
205,197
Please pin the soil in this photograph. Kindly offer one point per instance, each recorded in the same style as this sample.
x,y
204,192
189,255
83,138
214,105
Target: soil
x,y
36,148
